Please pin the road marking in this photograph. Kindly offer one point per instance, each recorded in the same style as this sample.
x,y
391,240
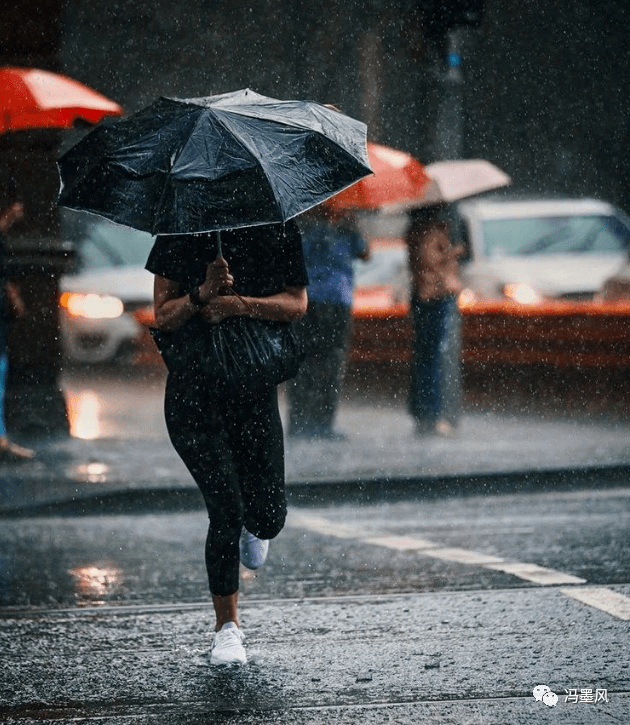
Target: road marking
x,y
463,556
400,543
603,599
536,574
320,525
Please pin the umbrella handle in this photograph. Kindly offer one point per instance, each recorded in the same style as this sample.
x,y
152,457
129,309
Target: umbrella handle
x,y
230,290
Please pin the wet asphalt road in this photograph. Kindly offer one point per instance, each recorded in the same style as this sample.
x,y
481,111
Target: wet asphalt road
x,y
107,617
157,559
441,610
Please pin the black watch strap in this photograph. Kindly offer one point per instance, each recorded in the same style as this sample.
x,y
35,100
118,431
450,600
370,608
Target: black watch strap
x,y
193,296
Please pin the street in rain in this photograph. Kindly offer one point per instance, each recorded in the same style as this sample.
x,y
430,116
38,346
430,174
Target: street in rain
x,y
455,444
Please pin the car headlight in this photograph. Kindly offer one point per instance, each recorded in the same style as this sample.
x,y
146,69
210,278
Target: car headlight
x,y
92,306
522,293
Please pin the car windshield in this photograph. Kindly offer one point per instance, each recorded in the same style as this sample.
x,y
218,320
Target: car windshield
x,y
587,234
101,244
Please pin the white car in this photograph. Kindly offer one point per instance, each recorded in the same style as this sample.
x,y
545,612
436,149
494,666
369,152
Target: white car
x,y
534,250
108,287
538,273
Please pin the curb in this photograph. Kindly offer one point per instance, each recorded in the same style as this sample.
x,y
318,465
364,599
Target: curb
x,y
328,492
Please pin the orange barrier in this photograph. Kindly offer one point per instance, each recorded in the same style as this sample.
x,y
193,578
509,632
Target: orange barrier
x,y
589,334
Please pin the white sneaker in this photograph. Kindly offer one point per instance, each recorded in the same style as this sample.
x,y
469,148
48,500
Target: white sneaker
x,y
253,551
227,646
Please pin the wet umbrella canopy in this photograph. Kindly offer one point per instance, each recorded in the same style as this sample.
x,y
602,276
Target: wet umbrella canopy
x,y
220,162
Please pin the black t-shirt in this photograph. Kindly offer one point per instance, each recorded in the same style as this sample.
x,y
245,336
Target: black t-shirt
x,y
263,260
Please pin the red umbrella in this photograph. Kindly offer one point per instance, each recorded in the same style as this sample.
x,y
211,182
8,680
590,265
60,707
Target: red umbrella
x,y
33,98
397,177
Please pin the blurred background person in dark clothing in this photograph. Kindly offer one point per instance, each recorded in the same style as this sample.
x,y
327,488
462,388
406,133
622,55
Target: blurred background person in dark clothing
x,y
331,243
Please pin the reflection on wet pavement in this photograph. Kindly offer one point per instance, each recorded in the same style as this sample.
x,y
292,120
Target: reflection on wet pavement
x,y
115,403
84,410
94,583
90,472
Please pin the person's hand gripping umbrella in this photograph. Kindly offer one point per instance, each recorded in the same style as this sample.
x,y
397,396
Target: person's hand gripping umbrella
x,y
218,279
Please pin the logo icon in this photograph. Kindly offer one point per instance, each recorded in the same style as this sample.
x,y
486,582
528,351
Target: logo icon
x,y
542,693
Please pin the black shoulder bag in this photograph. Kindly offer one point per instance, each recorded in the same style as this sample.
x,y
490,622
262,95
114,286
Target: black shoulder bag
x,y
237,355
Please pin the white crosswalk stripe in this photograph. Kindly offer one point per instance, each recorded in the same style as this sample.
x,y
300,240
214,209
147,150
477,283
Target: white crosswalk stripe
x,y
606,600
537,574
603,599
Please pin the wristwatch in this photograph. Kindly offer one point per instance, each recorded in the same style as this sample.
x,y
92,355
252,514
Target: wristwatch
x,y
193,296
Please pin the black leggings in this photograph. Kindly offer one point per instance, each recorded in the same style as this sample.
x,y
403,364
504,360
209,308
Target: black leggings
x,y
234,449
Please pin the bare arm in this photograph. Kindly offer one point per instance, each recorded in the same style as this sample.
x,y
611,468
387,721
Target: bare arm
x,y
172,309
285,306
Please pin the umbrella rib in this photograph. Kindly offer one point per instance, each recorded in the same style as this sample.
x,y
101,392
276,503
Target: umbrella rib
x,y
235,133
290,122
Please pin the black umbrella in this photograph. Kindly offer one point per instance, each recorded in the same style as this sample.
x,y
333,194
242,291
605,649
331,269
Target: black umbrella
x,y
221,162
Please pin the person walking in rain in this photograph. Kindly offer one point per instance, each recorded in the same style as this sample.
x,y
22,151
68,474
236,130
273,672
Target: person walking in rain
x,y
331,244
435,282
232,445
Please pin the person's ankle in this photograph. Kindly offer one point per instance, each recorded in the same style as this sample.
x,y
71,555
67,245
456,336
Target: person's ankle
x,y
221,623
225,609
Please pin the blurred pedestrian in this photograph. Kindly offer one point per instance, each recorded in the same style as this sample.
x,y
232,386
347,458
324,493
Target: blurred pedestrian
x,y
331,243
231,444
11,304
435,283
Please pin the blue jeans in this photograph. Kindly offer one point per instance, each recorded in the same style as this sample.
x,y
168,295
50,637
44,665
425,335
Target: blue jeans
x,y
430,328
